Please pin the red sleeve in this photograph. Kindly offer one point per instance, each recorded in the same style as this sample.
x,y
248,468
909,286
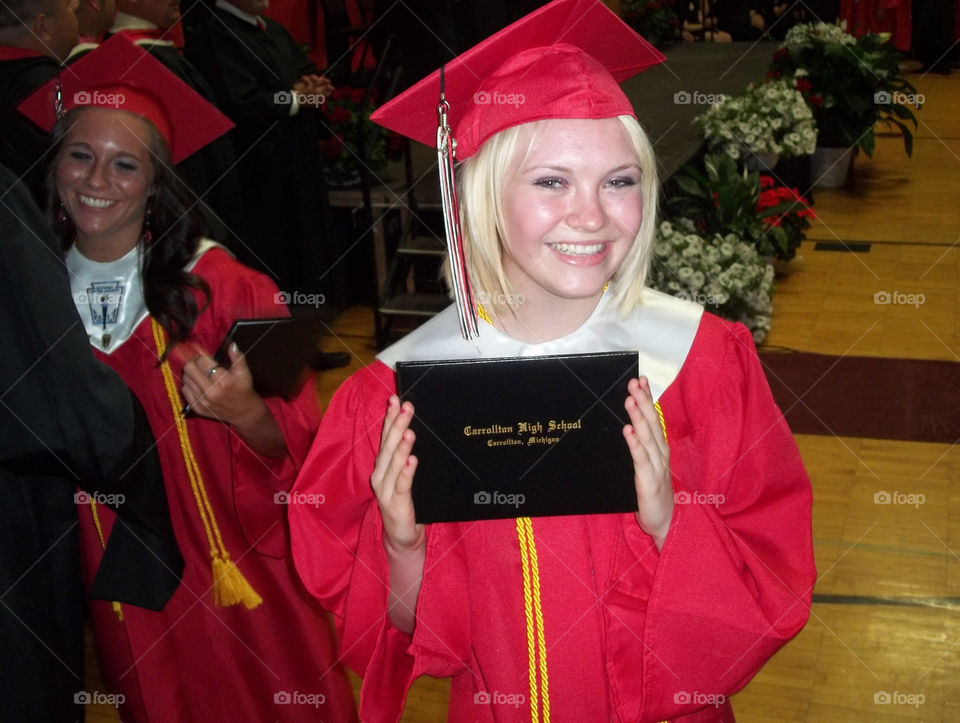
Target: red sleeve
x,y
337,542
238,292
734,579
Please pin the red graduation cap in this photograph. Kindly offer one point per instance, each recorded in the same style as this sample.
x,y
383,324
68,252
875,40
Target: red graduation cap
x,y
565,60
120,75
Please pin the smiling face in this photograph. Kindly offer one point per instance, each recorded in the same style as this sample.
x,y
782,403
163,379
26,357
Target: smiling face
x,y
104,175
572,206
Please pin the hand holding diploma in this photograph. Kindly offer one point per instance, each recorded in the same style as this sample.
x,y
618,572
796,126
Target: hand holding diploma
x,y
651,462
403,539
227,395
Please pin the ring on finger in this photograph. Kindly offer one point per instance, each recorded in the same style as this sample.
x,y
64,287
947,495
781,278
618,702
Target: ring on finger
x,y
212,370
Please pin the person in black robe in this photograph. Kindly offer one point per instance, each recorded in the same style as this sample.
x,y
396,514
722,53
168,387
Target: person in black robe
x,y
35,37
67,423
211,172
264,82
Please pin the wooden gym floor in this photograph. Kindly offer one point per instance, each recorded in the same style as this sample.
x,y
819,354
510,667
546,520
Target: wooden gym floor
x,y
883,641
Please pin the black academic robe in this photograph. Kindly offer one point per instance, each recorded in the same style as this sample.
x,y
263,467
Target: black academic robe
x,y
279,155
22,143
67,422
210,172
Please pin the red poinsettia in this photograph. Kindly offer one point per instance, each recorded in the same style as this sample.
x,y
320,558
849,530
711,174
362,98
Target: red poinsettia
x,y
784,208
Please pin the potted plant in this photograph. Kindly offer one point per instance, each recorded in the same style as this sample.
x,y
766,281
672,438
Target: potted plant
x,y
851,84
655,20
355,143
724,199
721,272
769,121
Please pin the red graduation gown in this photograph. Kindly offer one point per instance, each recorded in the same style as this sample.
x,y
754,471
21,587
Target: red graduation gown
x,y
193,661
623,633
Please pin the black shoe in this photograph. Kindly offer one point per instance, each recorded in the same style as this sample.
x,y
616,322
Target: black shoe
x,y
329,360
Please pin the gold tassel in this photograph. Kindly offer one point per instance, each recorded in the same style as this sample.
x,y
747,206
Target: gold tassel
x,y
118,610
230,587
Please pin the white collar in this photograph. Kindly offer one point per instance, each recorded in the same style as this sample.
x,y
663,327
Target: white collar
x,y
125,21
661,329
237,12
109,296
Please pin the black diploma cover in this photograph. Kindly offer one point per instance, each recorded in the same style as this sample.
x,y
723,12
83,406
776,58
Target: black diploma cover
x,y
520,437
277,351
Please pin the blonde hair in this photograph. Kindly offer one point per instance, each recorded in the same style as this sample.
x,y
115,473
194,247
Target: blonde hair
x,y
480,187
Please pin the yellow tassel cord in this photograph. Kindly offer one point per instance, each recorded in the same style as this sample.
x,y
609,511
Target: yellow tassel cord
x,y
663,423
229,585
533,612
103,546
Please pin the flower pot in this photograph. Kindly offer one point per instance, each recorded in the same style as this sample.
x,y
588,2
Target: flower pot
x,y
763,162
829,166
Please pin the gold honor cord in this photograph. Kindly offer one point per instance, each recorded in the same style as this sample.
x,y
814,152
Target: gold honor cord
x,y
533,612
229,585
103,546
